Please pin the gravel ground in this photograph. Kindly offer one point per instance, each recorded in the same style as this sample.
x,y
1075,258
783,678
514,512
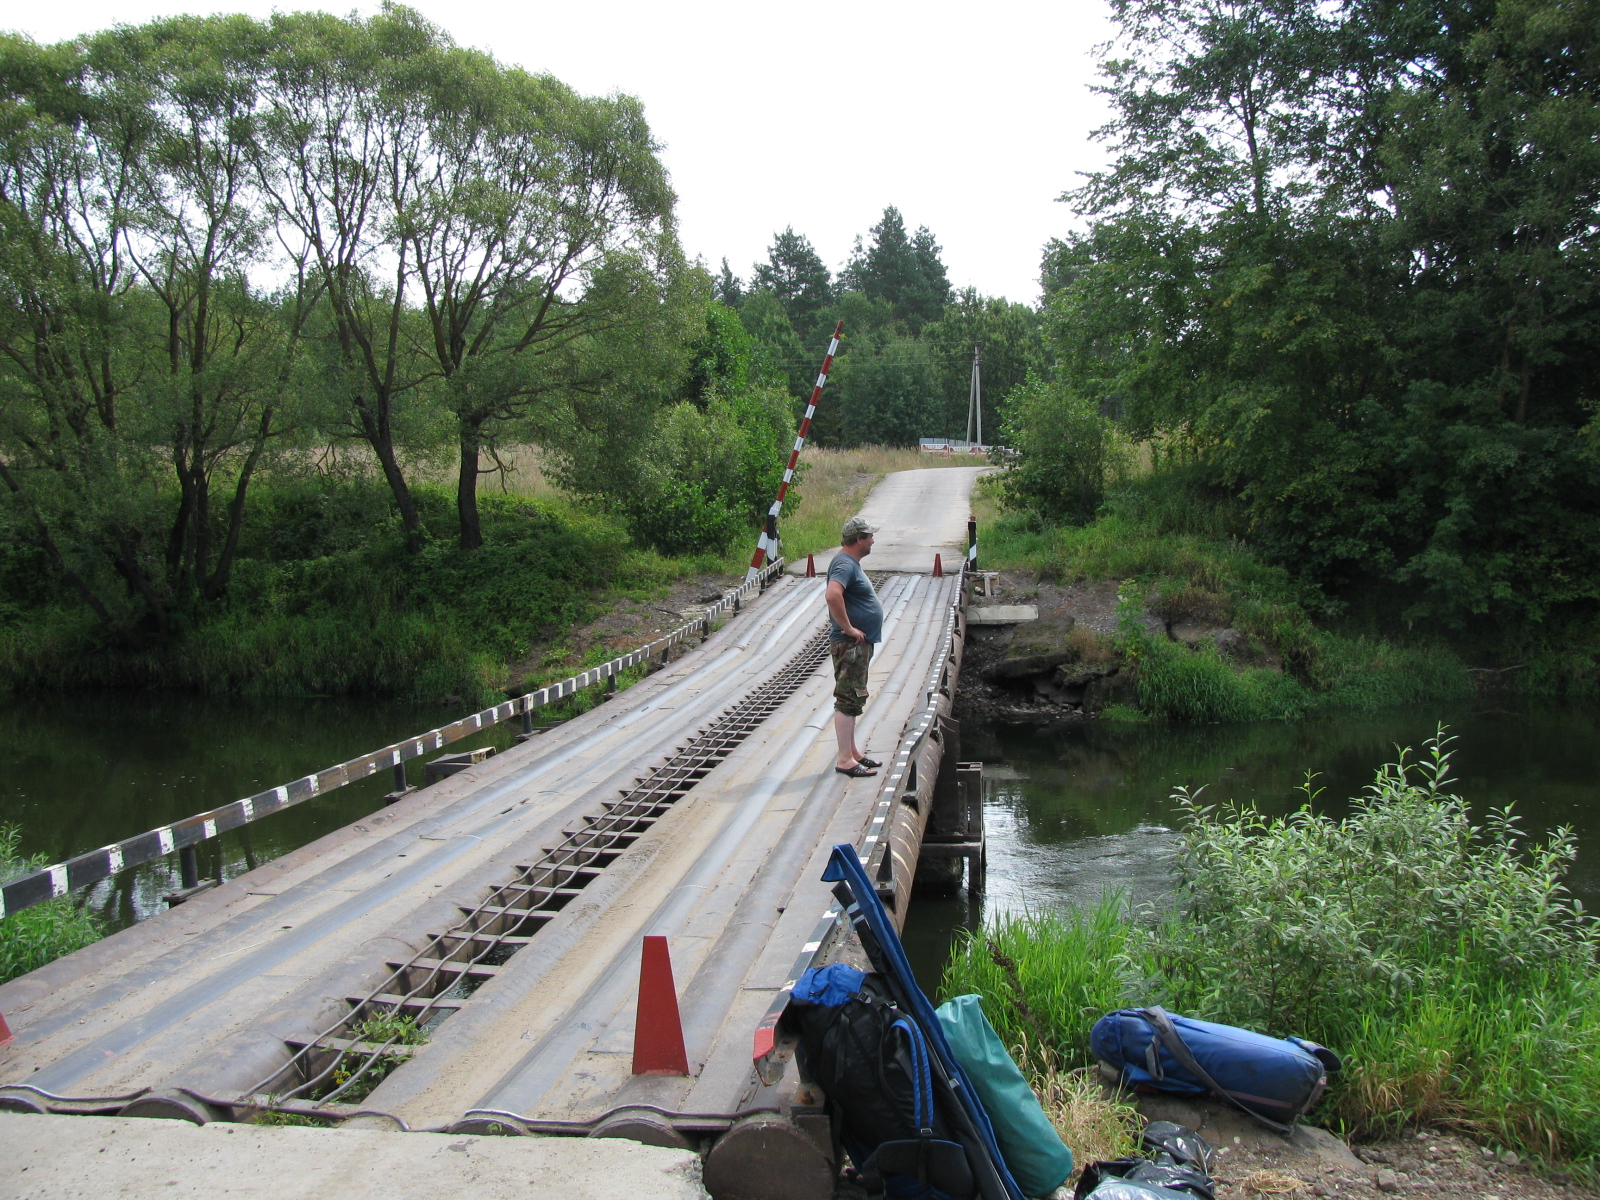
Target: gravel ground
x,y
1252,1162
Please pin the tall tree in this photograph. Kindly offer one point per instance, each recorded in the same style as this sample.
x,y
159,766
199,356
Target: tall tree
x,y
729,287
1008,340
135,350
342,117
907,272
1347,254
796,275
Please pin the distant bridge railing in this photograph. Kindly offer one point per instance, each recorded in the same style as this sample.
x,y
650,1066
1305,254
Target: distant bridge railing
x,y
47,883
951,446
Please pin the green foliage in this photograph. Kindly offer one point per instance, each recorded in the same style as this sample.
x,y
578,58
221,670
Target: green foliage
x,y
395,1028
1434,951
1168,536
906,272
714,462
1047,976
328,602
35,936
796,277
886,392
1441,957
1007,338
1345,255
1066,453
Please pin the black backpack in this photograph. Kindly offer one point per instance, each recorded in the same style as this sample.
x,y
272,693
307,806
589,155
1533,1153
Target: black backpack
x,y
874,1065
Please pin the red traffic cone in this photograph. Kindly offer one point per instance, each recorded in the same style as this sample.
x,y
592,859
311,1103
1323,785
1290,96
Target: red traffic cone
x,y
657,1028
938,567
811,566
6,1036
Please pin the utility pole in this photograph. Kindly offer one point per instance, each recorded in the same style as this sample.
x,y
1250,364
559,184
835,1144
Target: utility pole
x,y
975,399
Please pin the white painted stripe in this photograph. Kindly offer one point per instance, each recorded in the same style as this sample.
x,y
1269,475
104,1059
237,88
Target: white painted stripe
x,y
821,380
281,794
833,347
113,859
776,510
788,475
799,443
58,881
316,785
2,903
248,806
809,947
210,828
810,408
164,836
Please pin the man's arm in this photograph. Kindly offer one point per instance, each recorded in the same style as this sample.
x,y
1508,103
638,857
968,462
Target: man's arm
x,y
836,609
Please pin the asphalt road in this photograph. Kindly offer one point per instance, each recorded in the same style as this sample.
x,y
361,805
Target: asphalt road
x,y
919,514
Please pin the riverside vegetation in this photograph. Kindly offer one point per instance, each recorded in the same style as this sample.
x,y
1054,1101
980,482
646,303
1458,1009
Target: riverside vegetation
x,y
1339,285
41,934
1440,956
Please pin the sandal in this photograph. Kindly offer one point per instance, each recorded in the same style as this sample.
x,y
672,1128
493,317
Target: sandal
x,y
859,771
869,762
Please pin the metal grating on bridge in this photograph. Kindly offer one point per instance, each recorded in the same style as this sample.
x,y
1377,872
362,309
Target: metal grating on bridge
x,y
438,980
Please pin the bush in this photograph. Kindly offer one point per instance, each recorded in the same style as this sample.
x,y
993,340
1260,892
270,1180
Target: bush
x,y
711,471
35,936
1443,959
1066,453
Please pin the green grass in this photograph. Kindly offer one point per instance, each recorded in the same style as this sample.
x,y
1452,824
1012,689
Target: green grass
x,y
35,936
1440,957
1173,547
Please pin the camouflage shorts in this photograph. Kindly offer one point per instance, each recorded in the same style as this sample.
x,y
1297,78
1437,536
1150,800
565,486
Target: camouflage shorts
x,y
850,664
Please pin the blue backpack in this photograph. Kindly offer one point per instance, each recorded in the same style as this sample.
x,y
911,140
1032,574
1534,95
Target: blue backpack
x,y
1274,1080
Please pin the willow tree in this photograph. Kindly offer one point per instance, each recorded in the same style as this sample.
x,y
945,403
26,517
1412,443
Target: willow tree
x,y
487,238
135,351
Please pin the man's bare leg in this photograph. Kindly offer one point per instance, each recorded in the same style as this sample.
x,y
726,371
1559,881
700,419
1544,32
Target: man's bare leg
x,y
844,731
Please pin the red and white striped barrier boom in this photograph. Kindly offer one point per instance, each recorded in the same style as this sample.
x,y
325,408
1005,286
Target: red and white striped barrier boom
x,y
769,536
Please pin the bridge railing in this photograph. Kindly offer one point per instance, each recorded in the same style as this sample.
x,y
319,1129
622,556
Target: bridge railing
x,y
46,883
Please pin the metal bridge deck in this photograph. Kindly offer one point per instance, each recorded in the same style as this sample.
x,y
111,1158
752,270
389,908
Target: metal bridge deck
x,y
212,999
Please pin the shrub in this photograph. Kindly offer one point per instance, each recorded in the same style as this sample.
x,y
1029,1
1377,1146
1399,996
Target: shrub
x,y
1065,452
1443,959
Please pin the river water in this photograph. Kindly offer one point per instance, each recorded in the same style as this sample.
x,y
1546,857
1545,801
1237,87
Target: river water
x,y
1076,812
1068,814
82,771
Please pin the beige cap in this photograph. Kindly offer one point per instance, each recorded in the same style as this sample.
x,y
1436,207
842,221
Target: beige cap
x,y
856,527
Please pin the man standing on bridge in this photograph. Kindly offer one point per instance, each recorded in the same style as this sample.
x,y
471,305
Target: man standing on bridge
x,y
855,627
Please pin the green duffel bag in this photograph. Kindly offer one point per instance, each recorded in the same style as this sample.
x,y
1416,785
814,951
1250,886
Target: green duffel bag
x,y
1039,1160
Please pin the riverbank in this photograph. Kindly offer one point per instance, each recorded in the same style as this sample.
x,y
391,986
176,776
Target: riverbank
x,y
327,601
1160,608
1436,950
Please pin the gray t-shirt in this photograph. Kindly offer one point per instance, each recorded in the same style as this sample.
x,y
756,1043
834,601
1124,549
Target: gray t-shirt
x,y
860,599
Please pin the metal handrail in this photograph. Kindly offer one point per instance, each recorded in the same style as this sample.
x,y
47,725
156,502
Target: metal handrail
x,y
47,883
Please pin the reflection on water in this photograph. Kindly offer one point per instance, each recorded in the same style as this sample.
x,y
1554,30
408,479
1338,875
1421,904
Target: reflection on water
x,y
1073,813
82,771
1068,814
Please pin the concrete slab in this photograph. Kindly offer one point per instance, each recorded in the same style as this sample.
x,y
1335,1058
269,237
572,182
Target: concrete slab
x,y
1002,614
111,1158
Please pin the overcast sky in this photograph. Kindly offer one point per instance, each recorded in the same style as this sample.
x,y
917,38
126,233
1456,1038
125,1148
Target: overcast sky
x,y
971,119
